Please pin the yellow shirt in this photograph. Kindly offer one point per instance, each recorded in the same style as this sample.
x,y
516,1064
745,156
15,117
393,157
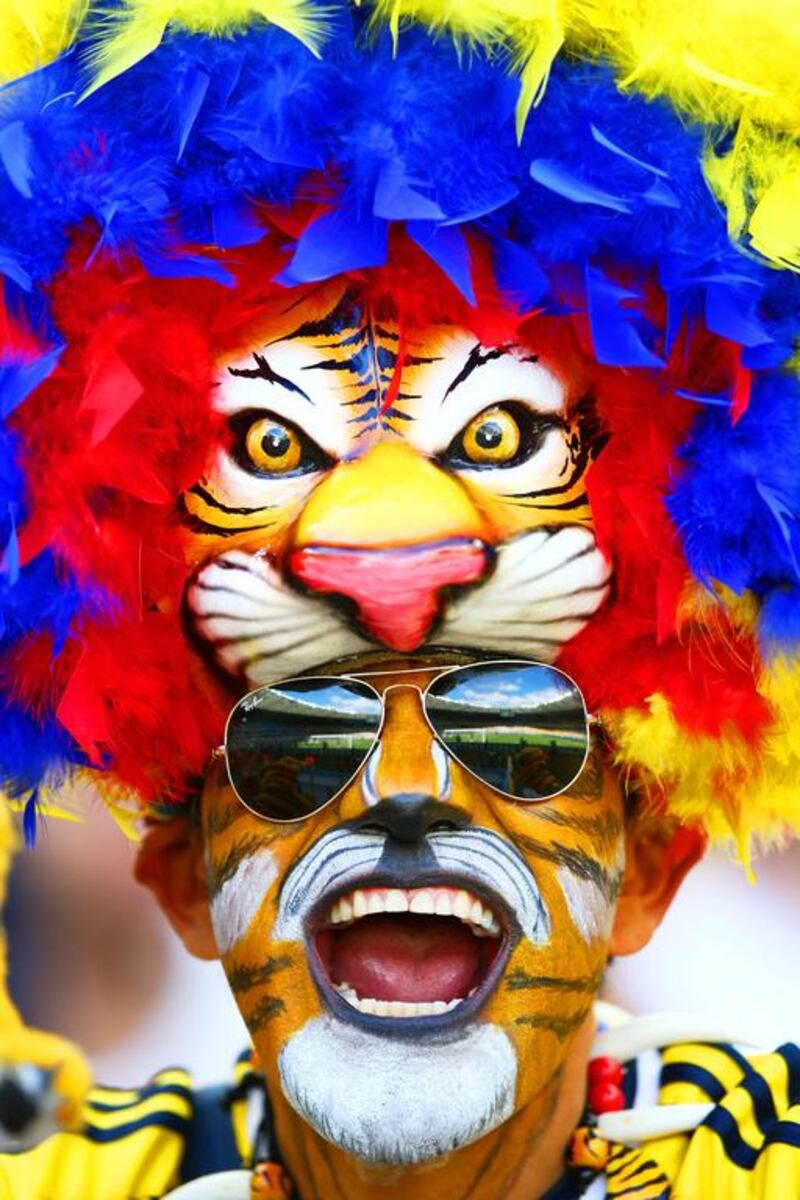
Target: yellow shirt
x,y
137,1144
748,1148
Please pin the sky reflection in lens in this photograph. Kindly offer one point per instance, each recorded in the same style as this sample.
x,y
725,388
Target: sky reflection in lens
x,y
294,745
521,728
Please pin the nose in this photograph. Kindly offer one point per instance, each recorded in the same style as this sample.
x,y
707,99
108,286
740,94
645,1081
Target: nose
x,y
409,792
389,532
408,816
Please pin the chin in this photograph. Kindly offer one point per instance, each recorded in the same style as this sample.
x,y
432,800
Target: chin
x,y
399,1101
402,1066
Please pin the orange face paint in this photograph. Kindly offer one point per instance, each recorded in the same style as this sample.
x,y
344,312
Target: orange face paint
x,y
349,937
439,941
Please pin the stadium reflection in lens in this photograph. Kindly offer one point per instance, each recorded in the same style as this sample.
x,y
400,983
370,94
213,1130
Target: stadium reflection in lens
x,y
520,727
293,745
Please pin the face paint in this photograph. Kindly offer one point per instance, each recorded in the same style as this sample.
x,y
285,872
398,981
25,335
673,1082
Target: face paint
x,y
448,961
443,942
374,1110
332,429
588,902
237,897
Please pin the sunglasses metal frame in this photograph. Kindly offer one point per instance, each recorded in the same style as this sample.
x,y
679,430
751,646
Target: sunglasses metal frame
x,y
438,673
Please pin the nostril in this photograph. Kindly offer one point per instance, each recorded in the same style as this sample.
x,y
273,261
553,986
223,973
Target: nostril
x,y
409,816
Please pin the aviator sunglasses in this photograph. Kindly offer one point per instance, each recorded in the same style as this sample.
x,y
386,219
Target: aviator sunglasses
x,y
293,746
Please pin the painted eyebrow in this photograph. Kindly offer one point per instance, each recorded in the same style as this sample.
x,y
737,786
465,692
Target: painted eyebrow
x,y
262,370
478,357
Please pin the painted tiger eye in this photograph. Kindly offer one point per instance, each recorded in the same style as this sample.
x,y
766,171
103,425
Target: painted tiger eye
x,y
491,437
272,446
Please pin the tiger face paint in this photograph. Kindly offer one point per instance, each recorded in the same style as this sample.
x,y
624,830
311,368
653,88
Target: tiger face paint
x,y
453,472
422,953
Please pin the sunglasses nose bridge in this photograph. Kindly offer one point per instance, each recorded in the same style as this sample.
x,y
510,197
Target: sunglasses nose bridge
x,y
407,761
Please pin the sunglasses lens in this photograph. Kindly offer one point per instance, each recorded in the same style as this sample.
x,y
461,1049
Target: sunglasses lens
x,y
293,745
522,728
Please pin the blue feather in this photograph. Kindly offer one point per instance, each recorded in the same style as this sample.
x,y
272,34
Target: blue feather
x,y
396,199
617,342
737,506
9,558
11,267
519,276
449,251
185,143
566,183
15,150
731,312
605,141
189,98
337,241
18,380
29,819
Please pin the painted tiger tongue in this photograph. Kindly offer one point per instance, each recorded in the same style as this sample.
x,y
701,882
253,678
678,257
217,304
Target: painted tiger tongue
x,y
407,957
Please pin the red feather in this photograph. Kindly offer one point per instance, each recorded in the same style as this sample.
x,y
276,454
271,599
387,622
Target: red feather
x,y
125,424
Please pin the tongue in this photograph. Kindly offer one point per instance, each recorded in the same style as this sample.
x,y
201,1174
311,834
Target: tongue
x,y
407,957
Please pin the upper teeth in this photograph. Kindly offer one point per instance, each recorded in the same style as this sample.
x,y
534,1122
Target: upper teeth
x,y
397,1008
429,901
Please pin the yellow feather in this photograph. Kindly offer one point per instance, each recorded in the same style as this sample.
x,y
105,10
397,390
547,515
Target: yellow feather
x,y
121,803
774,225
737,794
715,59
34,32
732,62
127,35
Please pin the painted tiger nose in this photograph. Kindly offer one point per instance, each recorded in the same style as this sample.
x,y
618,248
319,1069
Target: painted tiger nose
x,y
390,531
391,496
397,592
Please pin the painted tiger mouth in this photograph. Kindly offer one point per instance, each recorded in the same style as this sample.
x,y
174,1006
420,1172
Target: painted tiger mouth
x,y
404,954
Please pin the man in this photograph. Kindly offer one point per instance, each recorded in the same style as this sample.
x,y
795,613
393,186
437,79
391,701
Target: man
x,y
364,395
419,974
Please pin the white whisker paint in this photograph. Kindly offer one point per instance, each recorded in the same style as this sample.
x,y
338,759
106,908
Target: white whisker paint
x,y
340,857
369,778
240,897
537,575
441,761
589,908
236,589
483,855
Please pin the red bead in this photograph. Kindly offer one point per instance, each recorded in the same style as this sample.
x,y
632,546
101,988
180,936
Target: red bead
x,y
605,1070
606,1097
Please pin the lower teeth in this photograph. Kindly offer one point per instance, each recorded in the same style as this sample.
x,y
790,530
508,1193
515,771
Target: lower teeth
x,y
397,1008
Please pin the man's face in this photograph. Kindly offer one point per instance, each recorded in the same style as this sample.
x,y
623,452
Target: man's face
x,y
414,960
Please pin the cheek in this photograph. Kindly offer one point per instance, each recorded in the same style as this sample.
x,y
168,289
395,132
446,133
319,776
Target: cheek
x,y
270,979
546,996
238,900
548,988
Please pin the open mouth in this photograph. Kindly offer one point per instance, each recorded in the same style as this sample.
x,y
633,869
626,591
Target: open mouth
x,y
402,953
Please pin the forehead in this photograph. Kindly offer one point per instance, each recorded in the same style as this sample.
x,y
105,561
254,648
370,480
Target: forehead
x,y
338,348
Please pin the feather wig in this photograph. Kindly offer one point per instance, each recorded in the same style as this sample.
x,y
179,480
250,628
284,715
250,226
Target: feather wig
x,y
630,170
